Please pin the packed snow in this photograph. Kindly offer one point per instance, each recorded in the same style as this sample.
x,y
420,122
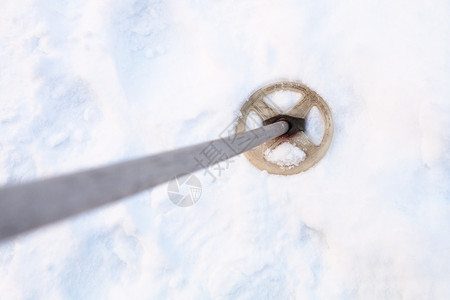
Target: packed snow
x,y
86,83
285,155
314,126
283,100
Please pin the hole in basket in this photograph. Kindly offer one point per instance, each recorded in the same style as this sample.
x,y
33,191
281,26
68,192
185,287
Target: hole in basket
x,y
283,101
285,155
253,121
315,126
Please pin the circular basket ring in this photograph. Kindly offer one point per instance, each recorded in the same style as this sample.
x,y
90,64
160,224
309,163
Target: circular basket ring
x,y
309,99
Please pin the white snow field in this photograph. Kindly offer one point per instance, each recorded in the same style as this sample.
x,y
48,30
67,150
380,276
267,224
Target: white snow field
x,y
85,83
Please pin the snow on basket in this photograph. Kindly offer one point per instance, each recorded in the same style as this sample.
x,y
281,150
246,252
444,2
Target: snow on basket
x,y
286,155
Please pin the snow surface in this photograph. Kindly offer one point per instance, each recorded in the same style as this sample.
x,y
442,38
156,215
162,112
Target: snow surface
x,y
253,121
283,100
84,83
285,155
314,126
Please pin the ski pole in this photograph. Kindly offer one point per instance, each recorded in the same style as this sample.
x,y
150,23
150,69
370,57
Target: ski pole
x,y
27,206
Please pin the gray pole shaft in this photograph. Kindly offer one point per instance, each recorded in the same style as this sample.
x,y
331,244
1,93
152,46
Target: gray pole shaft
x,y
30,205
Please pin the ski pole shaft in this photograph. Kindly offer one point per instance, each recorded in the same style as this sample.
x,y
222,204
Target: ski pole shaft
x,y
27,206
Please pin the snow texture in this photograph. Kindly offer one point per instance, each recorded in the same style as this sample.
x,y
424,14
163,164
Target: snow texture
x,y
84,83
285,155
314,126
283,101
